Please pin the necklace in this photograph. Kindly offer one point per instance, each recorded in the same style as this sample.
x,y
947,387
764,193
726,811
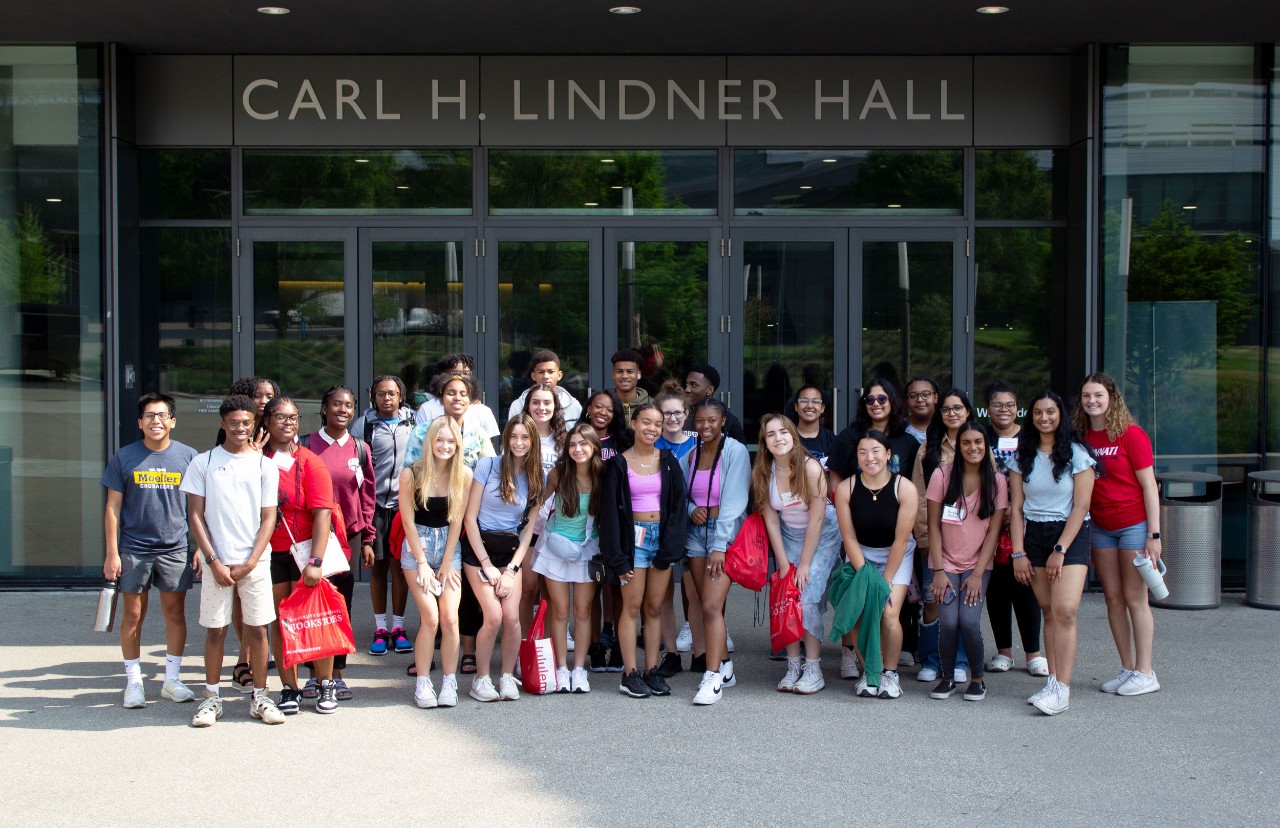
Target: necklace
x,y
641,463
875,493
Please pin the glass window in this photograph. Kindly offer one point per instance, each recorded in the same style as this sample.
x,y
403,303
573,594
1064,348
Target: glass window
x,y
602,182
907,290
357,182
417,306
51,453
184,314
1273,349
1021,184
857,182
662,306
184,184
1182,161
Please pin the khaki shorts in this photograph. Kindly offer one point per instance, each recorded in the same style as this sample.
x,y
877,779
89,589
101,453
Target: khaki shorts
x,y
256,605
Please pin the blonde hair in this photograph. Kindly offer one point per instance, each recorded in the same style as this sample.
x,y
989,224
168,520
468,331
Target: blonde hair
x,y
1118,417
799,459
425,473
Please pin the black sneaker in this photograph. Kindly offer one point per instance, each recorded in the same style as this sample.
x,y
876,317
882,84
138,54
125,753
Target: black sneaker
x,y
289,698
656,683
634,685
608,638
943,689
597,658
976,691
669,665
614,664
698,664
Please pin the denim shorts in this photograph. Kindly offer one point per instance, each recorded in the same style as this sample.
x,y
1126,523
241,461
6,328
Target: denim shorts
x,y
701,539
813,598
433,539
1130,537
879,558
648,550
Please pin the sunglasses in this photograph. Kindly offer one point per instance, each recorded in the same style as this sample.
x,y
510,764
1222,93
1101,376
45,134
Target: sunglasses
x,y
875,399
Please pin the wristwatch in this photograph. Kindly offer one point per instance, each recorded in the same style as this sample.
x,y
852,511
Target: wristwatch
x,y
513,567
314,561
1154,536
1057,547
208,560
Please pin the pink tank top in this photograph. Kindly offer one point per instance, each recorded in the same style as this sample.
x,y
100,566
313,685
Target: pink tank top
x,y
698,490
646,491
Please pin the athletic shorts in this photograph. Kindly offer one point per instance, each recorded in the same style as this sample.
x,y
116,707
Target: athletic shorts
x,y
167,571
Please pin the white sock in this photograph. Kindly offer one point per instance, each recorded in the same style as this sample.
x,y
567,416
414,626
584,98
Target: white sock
x,y
397,622
809,661
133,670
172,667
212,690
451,677
424,683
380,620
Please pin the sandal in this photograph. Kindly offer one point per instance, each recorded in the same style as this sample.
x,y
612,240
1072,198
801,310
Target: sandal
x,y
242,676
468,664
412,669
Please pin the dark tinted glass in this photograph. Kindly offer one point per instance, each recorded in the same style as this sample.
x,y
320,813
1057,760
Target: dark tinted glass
x,y
184,184
862,182
357,182
602,182
1021,184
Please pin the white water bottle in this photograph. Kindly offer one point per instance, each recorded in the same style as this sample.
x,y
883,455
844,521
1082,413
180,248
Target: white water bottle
x,y
1154,576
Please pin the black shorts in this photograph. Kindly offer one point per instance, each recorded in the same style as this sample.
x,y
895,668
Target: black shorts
x,y
498,557
383,520
167,571
1040,538
284,569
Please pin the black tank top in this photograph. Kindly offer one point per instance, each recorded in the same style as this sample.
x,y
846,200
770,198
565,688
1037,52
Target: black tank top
x,y
436,515
875,520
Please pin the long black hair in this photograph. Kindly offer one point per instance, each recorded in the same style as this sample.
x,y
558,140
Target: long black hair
x,y
937,430
897,410
618,433
986,470
1063,439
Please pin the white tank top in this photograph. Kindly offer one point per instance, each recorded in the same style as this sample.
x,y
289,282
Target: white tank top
x,y
793,511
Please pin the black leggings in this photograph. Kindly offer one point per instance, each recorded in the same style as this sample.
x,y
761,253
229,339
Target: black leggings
x,y
1005,593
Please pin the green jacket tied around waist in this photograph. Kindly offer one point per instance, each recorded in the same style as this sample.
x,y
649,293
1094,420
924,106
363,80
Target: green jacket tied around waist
x,y
859,599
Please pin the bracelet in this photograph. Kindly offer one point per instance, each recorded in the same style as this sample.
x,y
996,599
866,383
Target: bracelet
x,y
1017,555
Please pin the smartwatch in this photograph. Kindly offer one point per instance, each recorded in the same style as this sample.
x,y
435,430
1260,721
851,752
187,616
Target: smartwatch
x,y
1154,536
314,561
1057,547
513,567
208,560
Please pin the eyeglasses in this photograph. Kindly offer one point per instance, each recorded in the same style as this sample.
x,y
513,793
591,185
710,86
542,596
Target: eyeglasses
x,y
876,399
285,419
673,414
916,396
386,395
159,416
1009,406
809,401
245,426
954,409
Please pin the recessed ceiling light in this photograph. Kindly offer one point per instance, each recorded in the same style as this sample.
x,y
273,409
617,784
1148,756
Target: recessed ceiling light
x,y
992,9
625,10
617,187
806,186
894,206
362,160
272,10
54,200
1188,206
606,161
830,160
591,204
402,186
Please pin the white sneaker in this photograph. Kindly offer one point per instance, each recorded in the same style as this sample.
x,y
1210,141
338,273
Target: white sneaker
x,y
788,683
728,641
863,689
727,677
1112,685
209,711
709,691
578,681
568,641
508,687
684,639
482,689
424,694
176,691
960,675
927,674
562,679
135,697
1043,691
448,696
1038,666
849,668
1001,663
263,707
811,680
890,686
1054,702
1139,684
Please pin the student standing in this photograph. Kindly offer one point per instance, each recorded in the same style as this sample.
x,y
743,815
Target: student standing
x,y
544,369
700,383
817,439
479,417
626,381
145,528
604,413
1126,526
922,401
231,501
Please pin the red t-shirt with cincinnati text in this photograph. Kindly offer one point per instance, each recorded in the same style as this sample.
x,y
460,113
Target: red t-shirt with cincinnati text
x,y
1117,496
305,484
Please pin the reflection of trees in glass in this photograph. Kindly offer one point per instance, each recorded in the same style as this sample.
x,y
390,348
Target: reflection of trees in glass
x,y
391,180
669,287
32,270
186,308
1017,298
185,183
931,179
1011,185
569,180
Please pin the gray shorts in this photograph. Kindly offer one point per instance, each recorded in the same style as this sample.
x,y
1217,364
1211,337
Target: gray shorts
x,y
167,571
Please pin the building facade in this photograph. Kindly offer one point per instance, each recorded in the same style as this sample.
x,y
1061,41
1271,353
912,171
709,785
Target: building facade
x,y
173,221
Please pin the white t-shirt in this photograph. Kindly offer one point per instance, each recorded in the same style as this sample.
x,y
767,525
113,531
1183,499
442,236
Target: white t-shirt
x,y
478,415
235,488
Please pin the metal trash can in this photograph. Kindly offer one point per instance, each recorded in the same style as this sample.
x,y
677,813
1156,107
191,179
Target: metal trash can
x,y
1262,573
1191,529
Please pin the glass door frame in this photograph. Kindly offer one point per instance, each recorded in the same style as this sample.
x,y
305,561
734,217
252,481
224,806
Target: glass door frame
x,y
731,373
962,299
355,305
471,290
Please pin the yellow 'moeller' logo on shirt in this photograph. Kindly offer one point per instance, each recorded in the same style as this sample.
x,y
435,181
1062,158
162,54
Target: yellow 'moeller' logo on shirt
x,y
157,478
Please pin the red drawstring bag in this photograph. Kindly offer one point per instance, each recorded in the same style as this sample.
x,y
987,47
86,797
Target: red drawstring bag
x,y
786,618
746,561
314,624
537,658
395,537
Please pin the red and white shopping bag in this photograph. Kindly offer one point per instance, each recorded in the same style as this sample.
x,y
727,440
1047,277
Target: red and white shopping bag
x,y
537,658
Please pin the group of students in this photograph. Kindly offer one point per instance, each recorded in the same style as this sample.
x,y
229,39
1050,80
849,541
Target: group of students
x,y
600,509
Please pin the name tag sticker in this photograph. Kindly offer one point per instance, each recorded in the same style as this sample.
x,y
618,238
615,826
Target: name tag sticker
x,y
283,461
790,500
640,530
953,514
354,465
1007,444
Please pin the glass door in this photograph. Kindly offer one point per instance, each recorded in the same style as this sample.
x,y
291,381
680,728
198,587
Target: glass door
x,y
912,299
300,310
786,289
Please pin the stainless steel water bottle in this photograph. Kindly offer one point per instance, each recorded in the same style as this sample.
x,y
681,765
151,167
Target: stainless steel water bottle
x,y
107,597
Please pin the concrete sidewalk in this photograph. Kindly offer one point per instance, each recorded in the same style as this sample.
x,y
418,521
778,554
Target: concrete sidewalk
x,y
1203,751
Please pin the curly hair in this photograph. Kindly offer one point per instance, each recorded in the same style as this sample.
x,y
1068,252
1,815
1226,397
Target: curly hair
x,y
1118,417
